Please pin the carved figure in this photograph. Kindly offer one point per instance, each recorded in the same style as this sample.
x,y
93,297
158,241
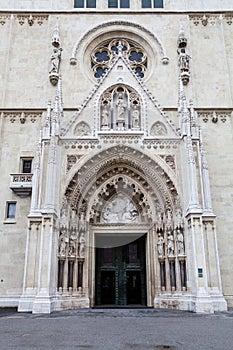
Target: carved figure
x,y
82,129
55,61
158,129
180,242
82,242
104,117
72,244
170,243
62,242
120,209
184,60
121,107
160,245
82,224
135,119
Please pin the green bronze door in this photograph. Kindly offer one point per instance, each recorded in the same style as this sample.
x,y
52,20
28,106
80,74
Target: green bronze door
x,y
121,275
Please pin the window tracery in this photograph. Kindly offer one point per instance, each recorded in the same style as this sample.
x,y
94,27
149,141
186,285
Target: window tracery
x,y
103,55
120,110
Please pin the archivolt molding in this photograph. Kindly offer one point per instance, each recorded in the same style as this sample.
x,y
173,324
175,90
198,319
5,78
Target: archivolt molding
x,y
83,182
98,30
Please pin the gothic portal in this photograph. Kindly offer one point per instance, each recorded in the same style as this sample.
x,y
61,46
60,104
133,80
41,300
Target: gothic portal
x,y
116,194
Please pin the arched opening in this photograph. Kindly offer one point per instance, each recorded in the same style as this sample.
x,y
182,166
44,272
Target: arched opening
x,y
121,231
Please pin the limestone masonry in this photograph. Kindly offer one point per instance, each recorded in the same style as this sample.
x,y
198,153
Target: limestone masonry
x,y
116,154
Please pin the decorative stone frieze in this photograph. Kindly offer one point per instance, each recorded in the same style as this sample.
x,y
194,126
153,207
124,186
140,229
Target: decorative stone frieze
x,y
161,144
4,18
215,116
205,19
228,19
31,19
22,117
86,143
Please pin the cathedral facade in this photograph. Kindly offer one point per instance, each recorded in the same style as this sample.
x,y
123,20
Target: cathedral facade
x,y
116,154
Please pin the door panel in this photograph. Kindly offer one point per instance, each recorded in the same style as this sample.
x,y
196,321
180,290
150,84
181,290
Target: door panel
x,y
121,275
107,287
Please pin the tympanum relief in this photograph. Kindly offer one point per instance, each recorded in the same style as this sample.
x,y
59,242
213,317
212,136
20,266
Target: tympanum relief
x,y
120,210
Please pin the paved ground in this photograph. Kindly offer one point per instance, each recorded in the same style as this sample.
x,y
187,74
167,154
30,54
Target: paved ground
x,y
118,329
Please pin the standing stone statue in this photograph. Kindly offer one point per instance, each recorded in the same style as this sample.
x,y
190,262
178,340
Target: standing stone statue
x,y
121,107
160,245
170,243
82,242
184,60
135,119
55,61
62,243
104,117
180,242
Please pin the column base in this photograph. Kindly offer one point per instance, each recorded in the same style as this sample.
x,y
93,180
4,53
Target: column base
x,y
42,305
198,304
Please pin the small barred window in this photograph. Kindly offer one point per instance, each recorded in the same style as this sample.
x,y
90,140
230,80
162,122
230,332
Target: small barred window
x,y
103,55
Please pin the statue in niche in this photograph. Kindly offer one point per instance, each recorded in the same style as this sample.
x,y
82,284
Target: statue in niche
x,y
135,118
158,129
160,245
184,60
120,210
63,243
63,214
82,242
121,108
180,242
55,61
72,243
104,118
82,223
170,243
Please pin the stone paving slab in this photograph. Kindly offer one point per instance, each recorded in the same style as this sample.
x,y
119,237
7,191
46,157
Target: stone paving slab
x,y
120,329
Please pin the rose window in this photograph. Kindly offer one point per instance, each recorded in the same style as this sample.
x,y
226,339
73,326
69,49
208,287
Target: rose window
x,y
103,55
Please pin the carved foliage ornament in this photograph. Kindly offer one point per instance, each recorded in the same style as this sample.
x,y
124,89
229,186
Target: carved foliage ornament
x,y
103,55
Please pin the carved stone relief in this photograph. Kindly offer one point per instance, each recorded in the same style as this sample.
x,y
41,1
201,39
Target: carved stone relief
x,y
71,160
120,200
158,129
82,129
120,110
170,160
120,210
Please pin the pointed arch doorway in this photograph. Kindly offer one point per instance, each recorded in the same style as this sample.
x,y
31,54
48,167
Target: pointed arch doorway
x,y
120,269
